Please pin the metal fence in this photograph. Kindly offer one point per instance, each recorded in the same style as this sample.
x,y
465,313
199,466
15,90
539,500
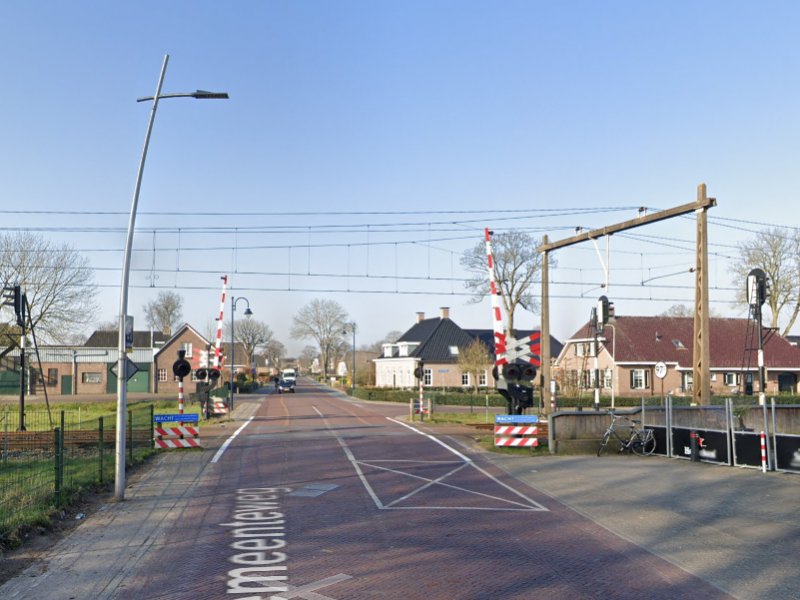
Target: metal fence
x,y
59,455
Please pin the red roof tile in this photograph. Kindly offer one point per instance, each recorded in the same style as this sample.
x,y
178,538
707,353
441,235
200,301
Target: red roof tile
x,y
671,340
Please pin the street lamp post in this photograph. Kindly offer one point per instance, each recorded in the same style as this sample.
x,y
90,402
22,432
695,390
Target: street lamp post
x,y
353,374
247,313
122,390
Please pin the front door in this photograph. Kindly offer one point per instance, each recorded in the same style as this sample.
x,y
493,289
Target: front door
x,y
66,385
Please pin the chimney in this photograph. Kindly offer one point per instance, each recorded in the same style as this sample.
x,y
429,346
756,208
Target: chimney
x,y
445,312
420,317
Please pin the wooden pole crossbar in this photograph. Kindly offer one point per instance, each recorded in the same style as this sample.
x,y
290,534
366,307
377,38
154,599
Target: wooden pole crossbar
x,y
701,374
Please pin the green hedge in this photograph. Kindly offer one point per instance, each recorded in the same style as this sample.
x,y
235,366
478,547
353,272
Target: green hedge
x,y
458,397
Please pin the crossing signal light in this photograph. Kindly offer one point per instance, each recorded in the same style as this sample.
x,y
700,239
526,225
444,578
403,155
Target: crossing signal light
x,y
518,372
528,372
201,374
511,371
213,374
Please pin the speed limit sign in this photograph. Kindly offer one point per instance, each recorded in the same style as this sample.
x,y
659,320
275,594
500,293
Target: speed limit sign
x,y
661,370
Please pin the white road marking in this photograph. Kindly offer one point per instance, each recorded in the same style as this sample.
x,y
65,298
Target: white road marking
x,y
430,437
307,591
352,460
457,453
529,505
227,443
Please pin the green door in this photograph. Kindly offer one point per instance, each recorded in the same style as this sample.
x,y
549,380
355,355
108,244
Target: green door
x,y
140,382
66,385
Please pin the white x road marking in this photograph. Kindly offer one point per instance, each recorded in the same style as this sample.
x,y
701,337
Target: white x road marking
x,y
307,591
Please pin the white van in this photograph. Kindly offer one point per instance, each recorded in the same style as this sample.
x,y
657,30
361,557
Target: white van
x,y
289,374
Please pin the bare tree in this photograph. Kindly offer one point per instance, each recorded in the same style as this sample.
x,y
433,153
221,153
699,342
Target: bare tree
x,y
274,352
778,255
165,312
681,310
322,321
389,338
307,357
251,334
517,266
58,282
475,359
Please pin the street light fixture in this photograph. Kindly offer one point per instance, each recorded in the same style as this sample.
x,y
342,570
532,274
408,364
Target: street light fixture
x,y
353,378
247,313
122,379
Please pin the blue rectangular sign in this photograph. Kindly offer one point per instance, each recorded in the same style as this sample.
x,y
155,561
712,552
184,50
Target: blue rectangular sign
x,y
515,419
188,418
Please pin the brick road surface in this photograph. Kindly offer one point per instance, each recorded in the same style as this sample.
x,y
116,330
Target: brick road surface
x,y
367,508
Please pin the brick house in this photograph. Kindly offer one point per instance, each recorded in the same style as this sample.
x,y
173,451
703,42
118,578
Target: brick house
x,y
82,369
630,347
200,353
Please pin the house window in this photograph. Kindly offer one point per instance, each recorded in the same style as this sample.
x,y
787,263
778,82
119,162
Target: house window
x,y
52,377
465,379
688,381
584,349
187,347
453,350
427,377
92,377
482,377
640,379
732,379
162,374
607,374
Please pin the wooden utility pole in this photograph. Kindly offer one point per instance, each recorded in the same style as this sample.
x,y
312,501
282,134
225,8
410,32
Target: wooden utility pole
x,y
701,347
545,327
701,384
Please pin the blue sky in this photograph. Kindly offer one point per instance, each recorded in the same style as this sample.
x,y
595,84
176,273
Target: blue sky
x,y
444,114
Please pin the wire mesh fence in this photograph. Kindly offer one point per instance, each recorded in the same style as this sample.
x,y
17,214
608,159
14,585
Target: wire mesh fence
x,y
58,454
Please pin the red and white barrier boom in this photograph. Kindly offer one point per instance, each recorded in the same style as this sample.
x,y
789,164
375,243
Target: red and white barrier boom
x,y
218,407
515,360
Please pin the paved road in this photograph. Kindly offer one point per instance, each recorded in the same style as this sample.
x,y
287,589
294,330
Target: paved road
x,y
324,498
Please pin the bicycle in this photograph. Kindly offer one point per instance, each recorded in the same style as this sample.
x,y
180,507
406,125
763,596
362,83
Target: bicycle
x,y
640,441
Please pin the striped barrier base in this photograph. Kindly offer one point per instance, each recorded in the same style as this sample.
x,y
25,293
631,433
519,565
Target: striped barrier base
x,y
516,431
176,437
516,442
219,408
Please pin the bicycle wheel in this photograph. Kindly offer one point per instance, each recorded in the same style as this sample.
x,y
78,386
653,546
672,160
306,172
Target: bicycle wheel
x,y
644,442
604,443
649,444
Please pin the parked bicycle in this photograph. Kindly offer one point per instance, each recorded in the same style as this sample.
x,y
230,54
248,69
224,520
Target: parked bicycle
x,y
640,440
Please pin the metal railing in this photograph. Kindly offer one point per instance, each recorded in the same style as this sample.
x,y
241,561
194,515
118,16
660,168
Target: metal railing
x,y
47,466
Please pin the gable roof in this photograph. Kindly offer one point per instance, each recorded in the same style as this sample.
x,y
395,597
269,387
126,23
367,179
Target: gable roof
x,y
671,340
436,336
110,339
180,331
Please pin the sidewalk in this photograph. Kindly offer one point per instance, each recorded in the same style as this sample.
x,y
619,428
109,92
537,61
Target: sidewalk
x,y
736,528
95,559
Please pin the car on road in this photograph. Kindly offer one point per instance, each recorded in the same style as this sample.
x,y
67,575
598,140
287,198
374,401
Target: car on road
x,y
286,385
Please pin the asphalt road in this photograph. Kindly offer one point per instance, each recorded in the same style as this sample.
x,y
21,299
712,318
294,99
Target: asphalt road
x,y
326,498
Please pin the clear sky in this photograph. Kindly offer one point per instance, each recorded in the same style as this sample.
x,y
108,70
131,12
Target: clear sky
x,y
367,144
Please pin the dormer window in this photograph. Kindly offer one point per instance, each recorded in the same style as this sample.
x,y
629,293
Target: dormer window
x,y
453,350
